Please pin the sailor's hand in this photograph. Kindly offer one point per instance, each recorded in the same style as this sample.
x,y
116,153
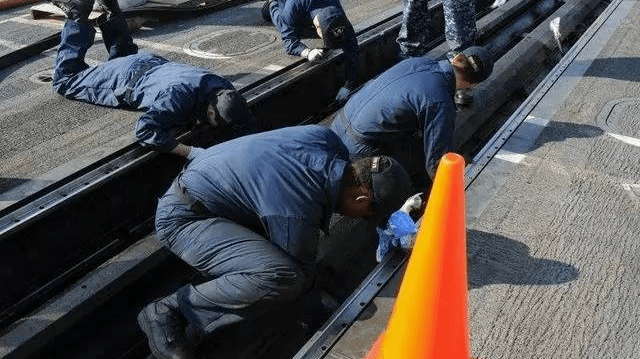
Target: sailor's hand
x,y
414,203
313,55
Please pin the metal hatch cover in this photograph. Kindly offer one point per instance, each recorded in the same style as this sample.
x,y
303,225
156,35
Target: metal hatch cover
x,y
617,118
229,42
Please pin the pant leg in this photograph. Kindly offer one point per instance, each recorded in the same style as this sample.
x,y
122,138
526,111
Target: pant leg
x,y
247,274
415,30
75,40
275,8
74,79
116,36
459,23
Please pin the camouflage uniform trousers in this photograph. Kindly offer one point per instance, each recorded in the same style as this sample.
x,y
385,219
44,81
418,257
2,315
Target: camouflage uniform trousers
x,y
415,31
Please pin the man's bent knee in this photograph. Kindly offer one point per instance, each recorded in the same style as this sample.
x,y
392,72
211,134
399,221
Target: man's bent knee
x,y
286,282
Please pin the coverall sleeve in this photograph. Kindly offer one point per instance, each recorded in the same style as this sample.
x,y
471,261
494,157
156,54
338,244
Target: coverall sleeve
x,y
439,123
350,50
296,236
172,108
287,21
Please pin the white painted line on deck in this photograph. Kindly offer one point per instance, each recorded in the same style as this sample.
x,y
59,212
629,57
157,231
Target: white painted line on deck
x,y
58,24
510,156
50,23
273,68
5,204
21,19
158,46
205,55
530,129
539,121
626,139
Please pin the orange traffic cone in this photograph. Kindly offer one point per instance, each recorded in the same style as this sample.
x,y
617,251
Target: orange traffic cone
x,y
429,318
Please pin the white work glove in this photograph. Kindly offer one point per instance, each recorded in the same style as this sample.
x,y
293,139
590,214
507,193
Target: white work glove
x,y
313,55
194,152
414,203
400,230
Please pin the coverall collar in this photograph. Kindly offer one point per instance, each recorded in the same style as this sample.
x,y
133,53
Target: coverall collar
x,y
447,70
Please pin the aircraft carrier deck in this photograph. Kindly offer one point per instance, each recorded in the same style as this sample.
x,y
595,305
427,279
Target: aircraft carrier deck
x,y
553,187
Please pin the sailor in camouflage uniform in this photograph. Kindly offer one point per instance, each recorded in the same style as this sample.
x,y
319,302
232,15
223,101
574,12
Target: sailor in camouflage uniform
x,y
415,32
460,31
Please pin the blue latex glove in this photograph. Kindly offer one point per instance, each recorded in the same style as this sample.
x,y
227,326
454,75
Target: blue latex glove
x,y
400,232
194,152
343,95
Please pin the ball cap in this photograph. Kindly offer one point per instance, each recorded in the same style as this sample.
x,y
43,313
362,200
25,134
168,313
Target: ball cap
x,y
232,108
481,62
391,184
333,26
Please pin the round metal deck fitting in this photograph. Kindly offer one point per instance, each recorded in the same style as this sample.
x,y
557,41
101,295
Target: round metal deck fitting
x,y
616,117
227,43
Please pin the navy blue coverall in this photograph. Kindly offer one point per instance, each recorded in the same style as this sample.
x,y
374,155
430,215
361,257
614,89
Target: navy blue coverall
x,y
407,112
246,214
294,20
170,93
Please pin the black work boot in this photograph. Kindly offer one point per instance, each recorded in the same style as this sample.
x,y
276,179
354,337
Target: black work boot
x,y
75,10
266,12
116,36
164,326
110,7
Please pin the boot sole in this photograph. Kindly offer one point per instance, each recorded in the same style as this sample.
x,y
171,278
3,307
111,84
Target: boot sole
x,y
143,322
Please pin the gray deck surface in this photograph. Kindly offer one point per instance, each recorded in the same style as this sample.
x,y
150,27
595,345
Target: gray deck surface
x,y
45,137
553,222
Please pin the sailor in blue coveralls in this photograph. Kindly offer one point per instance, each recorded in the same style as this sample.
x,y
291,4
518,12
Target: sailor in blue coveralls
x,y
296,19
246,214
170,93
408,112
